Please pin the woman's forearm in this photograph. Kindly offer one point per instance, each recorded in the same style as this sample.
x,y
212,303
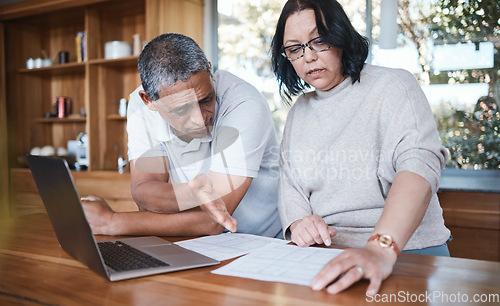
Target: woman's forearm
x,y
405,207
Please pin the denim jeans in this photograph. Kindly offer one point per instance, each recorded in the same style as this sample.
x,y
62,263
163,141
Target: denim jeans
x,y
438,250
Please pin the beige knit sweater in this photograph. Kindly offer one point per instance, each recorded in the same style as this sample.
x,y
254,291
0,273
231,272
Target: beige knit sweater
x,y
342,148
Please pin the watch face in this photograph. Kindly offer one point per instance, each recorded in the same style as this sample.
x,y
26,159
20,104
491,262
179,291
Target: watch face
x,y
385,240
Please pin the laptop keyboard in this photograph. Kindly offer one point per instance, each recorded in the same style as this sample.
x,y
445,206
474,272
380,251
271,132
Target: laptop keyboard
x,y
122,257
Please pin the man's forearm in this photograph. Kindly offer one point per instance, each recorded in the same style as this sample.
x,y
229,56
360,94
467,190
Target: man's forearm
x,y
193,222
151,189
156,197
165,197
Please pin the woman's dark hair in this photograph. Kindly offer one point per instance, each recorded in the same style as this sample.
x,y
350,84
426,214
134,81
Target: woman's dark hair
x,y
334,27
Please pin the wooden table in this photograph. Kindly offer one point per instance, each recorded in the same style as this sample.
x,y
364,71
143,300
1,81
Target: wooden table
x,y
34,270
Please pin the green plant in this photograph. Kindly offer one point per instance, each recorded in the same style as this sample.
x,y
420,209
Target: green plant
x,y
473,138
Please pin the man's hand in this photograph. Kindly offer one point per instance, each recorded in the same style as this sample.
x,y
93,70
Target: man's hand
x,y
99,214
202,192
311,230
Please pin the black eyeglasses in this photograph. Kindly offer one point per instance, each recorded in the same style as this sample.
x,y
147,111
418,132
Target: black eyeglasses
x,y
296,51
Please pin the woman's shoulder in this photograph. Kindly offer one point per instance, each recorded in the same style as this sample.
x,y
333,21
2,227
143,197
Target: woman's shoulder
x,y
401,90
384,74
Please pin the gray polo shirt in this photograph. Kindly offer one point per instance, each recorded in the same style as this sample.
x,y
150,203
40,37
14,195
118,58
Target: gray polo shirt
x,y
243,142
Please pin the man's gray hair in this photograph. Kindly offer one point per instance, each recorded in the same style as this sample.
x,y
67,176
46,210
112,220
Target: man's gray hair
x,y
168,58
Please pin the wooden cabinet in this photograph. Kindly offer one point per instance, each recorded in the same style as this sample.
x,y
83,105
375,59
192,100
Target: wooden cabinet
x,y
114,188
94,86
474,221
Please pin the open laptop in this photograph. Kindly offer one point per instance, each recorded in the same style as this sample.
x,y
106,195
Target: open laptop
x,y
62,202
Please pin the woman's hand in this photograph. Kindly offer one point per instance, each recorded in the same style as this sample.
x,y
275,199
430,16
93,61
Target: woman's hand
x,y
371,262
99,214
311,230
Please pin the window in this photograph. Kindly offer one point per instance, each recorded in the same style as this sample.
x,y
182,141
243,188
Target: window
x,y
451,46
245,31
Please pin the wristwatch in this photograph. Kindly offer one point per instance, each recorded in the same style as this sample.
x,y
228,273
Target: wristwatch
x,y
386,241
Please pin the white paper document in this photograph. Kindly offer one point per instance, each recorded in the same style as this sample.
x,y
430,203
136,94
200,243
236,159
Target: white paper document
x,y
228,245
281,263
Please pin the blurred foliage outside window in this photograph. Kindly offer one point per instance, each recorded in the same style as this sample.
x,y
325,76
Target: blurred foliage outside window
x,y
473,138
472,135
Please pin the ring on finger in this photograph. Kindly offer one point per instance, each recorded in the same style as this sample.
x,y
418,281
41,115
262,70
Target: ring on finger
x,y
360,270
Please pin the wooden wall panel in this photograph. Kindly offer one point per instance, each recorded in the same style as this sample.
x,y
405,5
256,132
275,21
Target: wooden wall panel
x,y
4,163
178,16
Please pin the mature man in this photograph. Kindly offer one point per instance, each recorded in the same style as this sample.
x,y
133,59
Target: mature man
x,y
202,148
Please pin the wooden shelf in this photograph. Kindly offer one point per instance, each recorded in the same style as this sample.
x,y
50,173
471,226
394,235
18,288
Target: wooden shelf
x,y
61,120
116,117
128,60
56,69
95,86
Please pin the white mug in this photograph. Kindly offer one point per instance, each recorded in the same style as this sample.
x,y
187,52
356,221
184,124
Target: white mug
x,y
30,63
46,62
38,62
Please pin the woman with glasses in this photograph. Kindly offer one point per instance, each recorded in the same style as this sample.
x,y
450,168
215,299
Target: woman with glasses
x,y
361,158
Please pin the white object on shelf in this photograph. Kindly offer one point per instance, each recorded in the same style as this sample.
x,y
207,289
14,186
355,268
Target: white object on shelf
x,y
35,151
47,151
30,64
122,108
137,44
121,164
117,49
46,62
61,151
38,62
